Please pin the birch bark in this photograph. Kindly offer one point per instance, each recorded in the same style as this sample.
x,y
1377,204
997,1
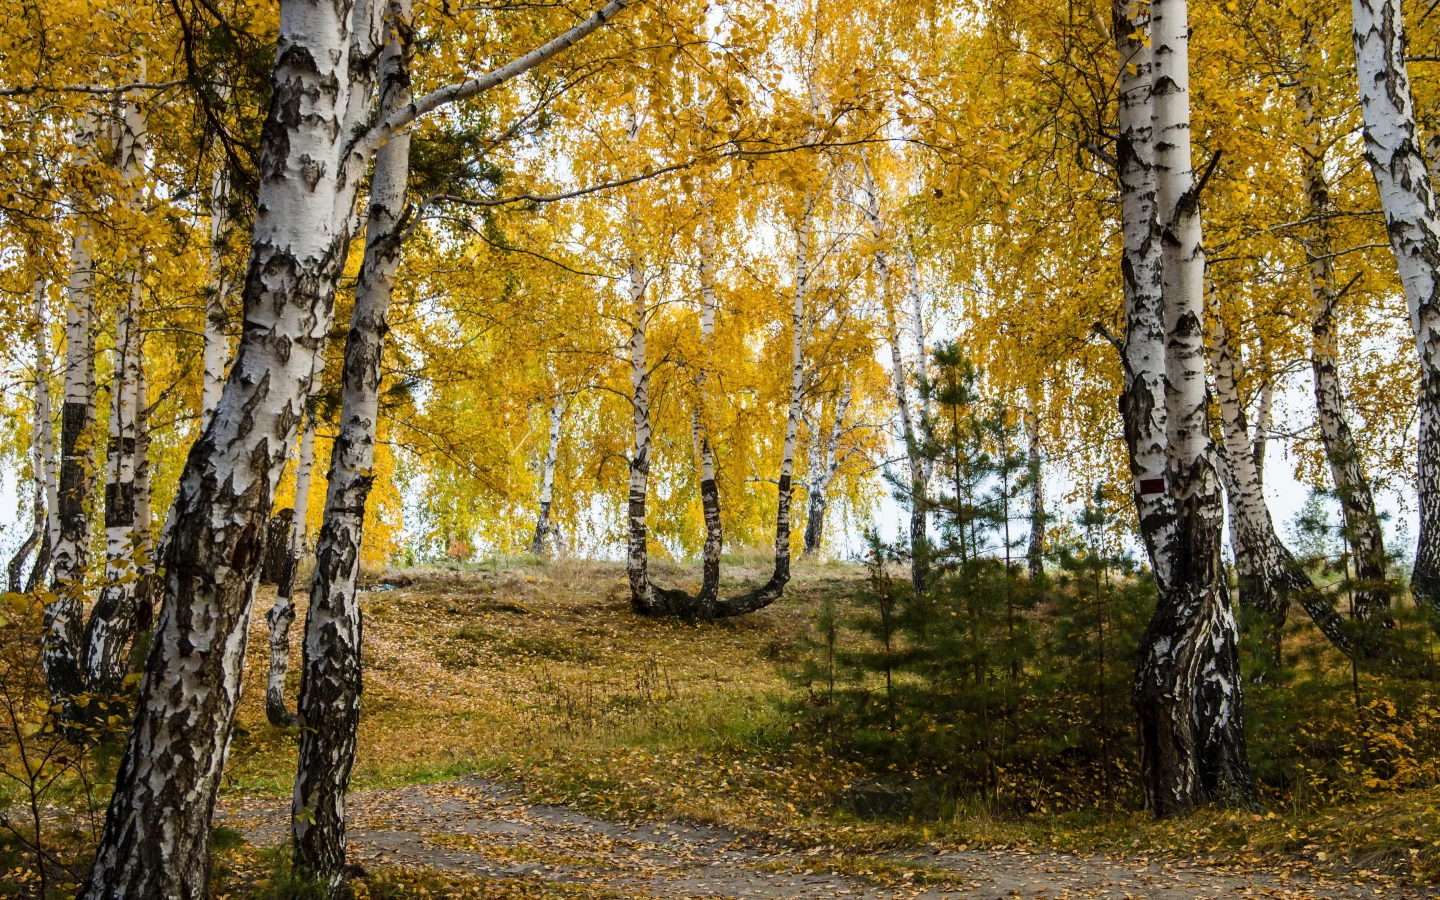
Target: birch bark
x,y
1392,148
818,489
330,677
1270,576
217,347
540,546
112,621
1352,487
64,621
156,839
919,467
40,453
642,593
700,425
1035,550
282,612
1193,633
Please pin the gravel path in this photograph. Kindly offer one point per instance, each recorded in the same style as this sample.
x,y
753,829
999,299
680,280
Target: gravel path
x,y
478,827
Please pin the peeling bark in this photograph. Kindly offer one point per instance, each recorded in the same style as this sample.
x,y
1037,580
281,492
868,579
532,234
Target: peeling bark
x,y
156,839
330,678
1392,148
1270,576
64,623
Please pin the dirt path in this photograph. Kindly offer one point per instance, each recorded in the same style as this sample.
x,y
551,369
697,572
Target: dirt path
x,y
476,826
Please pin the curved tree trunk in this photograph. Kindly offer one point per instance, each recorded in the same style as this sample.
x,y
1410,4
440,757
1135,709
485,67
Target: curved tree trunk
x,y
1270,576
1196,619
330,680
1352,488
1187,691
156,840
1392,148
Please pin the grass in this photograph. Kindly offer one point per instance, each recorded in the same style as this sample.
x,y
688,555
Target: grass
x,y
540,675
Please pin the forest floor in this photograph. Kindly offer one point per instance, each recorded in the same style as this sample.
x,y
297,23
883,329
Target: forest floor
x,y
524,735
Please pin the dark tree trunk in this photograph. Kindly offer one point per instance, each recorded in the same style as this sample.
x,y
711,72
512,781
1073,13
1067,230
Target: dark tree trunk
x,y
277,546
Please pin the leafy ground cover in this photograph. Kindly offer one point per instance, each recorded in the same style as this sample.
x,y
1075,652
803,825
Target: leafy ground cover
x,y
538,675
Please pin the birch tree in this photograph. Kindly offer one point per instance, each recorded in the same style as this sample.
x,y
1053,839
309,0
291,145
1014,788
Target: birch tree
x,y
282,612
1392,148
64,615
112,621
1187,693
330,682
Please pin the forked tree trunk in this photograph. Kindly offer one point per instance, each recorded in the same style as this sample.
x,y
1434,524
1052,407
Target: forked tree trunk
x,y
330,681
820,480
1270,576
156,840
64,623
1186,693
1035,550
1352,488
1192,642
282,611
540,545
1392,148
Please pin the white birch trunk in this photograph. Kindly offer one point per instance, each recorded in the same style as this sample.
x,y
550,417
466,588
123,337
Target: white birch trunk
x,y
64,623
922,359
700,428
217,346
540,545
1352,487
919,467
1194,628
818,488
40,453
156,839
642,593
1270,576
1035,550
112,621
1392,148
330,679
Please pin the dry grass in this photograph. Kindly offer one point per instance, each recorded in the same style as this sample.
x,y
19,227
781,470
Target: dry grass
x,y
541,675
